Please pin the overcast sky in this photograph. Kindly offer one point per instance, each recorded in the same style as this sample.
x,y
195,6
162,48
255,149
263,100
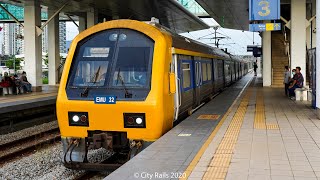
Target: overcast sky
x,y
236,40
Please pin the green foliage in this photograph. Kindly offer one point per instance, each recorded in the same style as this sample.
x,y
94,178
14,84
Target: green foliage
x,y
11,61
45,80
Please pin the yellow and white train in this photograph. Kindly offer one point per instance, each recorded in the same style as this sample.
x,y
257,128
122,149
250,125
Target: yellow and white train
x,y
125,83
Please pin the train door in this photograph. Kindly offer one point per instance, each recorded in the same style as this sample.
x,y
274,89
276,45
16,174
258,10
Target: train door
x,y
198,82
186,83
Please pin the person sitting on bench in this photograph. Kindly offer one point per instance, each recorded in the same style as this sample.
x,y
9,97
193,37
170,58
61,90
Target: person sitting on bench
x,y
297,83
25,83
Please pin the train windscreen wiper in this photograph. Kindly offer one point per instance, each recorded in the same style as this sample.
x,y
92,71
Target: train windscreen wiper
x,y
94,79
127,94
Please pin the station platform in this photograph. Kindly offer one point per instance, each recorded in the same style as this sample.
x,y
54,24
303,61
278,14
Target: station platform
x,y
246,132
26,110
10,103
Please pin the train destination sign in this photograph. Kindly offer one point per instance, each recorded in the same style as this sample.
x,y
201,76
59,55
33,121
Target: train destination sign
x,y
264,10
265,27
105,99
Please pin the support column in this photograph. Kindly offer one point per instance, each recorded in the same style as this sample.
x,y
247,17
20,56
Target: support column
x,y
33,48
318,61
314,35
298,35
54,48
92,17
266,58
82,24
308,37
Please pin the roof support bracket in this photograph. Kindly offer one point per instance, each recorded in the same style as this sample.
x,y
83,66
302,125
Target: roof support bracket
x,y
11,15
72,20
40,29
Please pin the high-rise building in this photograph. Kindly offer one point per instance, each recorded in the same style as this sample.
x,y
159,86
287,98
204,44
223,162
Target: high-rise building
x,y
13,43
63,36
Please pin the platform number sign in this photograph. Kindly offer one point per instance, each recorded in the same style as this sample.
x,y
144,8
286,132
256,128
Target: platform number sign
x,y
264,10
105,99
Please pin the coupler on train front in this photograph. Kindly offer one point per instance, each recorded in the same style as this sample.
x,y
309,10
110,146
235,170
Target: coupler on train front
x,y
119,150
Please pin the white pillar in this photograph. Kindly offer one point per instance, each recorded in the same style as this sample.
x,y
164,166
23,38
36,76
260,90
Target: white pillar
x,y
54,48
92,17
33,44
318,60
266,58
82,24
298,35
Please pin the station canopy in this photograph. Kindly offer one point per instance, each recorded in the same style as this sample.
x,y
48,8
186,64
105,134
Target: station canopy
x,y
232,14
170,13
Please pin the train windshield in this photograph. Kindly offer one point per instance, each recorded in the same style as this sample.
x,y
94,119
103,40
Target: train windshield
x,y
114,59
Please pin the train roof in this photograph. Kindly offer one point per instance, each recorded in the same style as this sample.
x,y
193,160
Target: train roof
x,y
185,43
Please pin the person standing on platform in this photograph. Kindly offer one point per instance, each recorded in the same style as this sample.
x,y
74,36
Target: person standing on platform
x,y
286,80
255,67
297,82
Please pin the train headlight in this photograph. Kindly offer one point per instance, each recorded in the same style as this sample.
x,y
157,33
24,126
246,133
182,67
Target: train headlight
x,y
134,120
139,120
75,118
78,119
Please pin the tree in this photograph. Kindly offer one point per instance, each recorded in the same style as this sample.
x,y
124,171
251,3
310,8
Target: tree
x,y
13,63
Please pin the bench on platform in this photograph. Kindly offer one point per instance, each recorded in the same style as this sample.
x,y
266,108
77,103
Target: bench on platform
x,y
302,94
9,90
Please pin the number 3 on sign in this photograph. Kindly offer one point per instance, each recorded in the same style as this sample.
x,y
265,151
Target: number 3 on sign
x,y
265,8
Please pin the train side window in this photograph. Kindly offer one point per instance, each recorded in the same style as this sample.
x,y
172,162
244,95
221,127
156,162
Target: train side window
x,y
209,69
204,72
186,74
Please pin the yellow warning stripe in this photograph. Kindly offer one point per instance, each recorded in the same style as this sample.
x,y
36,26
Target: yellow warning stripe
x,y
259,118
197,157
220,163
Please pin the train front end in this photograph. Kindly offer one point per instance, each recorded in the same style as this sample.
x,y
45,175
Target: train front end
x,y
114,91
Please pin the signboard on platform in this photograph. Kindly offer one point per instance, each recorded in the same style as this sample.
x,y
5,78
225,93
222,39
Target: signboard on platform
x,y
265,27
251,47
264,10
257,52
255,49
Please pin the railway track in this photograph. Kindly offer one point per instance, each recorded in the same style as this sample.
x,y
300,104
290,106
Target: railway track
x,y
17,148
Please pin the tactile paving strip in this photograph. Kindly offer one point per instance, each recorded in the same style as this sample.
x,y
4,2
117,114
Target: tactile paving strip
x,y
220,163
260,119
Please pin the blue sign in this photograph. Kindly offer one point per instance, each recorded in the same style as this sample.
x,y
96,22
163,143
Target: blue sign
x,y
264,10
105,99
265,27
257,27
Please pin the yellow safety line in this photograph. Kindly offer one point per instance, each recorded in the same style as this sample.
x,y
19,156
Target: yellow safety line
x,y
260,118
220,163
197,157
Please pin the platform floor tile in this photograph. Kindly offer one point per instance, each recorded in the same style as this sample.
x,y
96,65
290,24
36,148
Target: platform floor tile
x,y
277,139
